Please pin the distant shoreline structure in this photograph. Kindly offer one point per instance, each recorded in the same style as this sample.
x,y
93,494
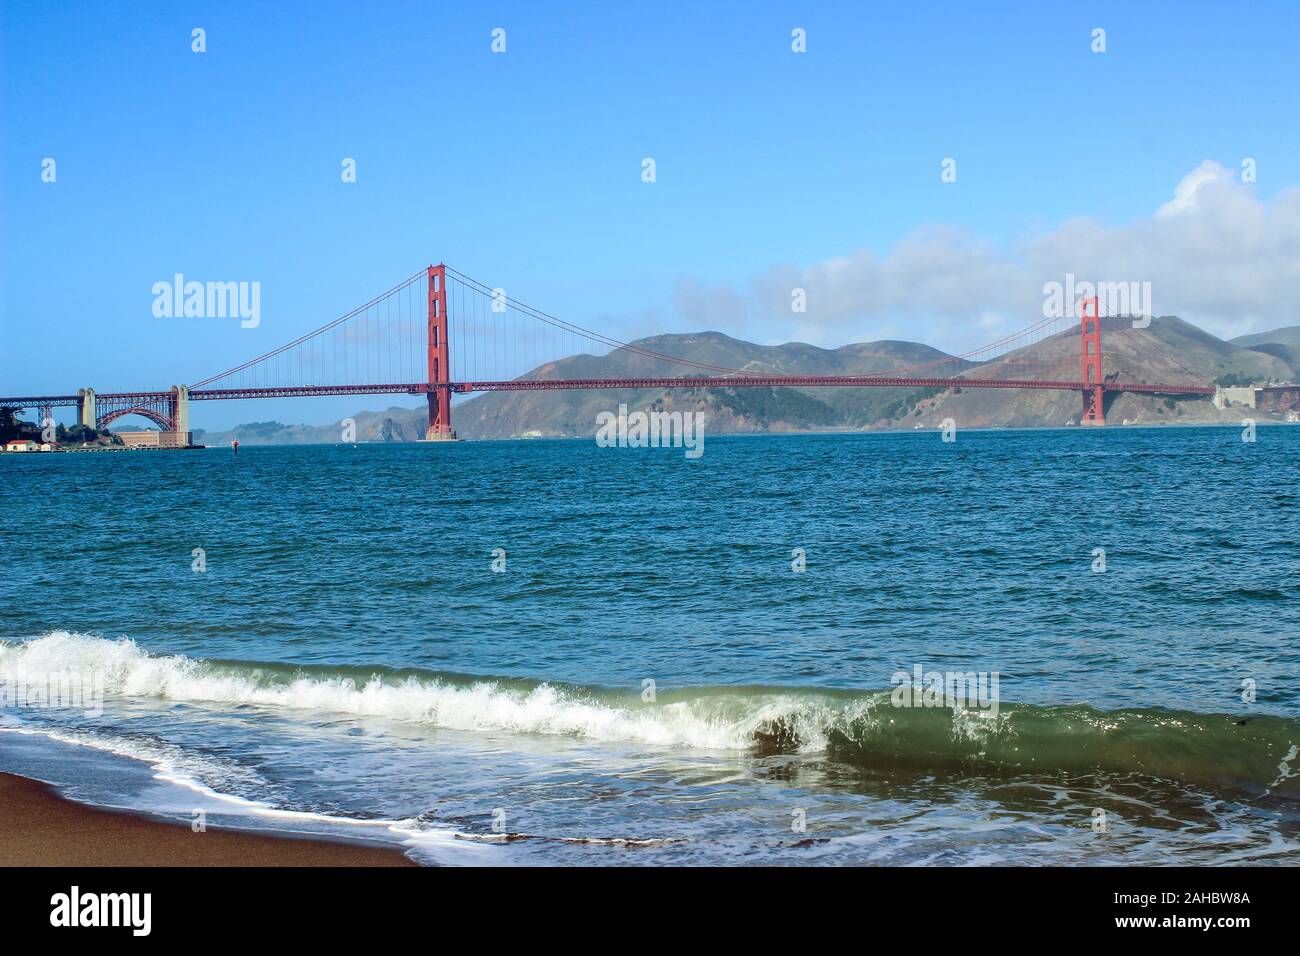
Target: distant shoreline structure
x,y
790,433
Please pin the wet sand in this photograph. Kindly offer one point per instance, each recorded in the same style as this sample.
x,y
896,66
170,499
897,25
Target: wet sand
x,y
40,828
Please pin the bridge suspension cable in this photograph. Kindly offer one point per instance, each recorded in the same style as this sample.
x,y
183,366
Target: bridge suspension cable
x,y
348,351
495,337
1014,341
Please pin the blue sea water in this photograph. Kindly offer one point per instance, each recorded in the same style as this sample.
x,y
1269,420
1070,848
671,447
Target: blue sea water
x,y
550,652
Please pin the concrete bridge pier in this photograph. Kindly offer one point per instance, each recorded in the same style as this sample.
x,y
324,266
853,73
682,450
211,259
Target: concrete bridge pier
x,y
86,410
181,416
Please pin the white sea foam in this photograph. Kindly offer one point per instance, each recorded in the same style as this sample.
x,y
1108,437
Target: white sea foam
x,y
428,842
130,672
718,721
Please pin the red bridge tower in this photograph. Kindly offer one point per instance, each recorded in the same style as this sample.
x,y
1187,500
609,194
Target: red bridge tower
x,y
439,394
1094,412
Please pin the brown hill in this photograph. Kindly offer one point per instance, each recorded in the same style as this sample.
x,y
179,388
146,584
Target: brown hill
x,y
1168,351
556,414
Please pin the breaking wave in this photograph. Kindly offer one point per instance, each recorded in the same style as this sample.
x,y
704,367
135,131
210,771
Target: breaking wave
x,y
1257,755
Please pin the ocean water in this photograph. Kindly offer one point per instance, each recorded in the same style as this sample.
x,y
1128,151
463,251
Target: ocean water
x,y
677,661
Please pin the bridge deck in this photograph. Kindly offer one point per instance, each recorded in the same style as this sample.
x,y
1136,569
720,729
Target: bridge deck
x,y
526,385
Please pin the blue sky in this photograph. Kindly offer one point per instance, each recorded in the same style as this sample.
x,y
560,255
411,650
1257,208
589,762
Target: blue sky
x,y
524,168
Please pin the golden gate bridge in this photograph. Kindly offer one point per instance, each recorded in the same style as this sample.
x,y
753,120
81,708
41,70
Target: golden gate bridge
x,y
441,333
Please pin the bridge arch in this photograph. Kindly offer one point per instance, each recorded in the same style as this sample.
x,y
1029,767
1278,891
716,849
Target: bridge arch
x,y
158,418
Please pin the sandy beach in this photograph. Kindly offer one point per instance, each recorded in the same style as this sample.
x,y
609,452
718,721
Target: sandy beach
x,y
40,828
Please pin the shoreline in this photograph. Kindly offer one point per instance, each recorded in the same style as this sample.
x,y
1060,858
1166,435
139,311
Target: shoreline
x,y
245,443
39,827
801,432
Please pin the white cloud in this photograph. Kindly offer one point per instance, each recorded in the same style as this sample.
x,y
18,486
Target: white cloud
x,y
1208,173
1214,254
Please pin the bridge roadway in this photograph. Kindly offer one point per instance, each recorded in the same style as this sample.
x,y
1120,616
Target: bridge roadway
x,y
524,385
